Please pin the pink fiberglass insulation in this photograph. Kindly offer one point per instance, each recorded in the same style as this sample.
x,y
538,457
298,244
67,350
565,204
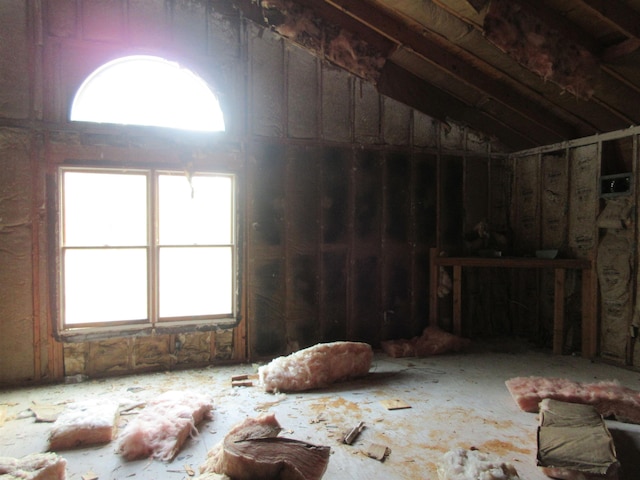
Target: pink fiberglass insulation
x,y
162,427
37,466
609,398
461,464
84,423
433,341
316,367
252,450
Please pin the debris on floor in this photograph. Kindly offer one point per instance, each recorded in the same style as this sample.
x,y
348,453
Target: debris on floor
x,y
378,451
316,367
609,398
46,413
89,422
241,381
394,404
162,427
351,436
253,450
433,341
36,466
574,442
463,464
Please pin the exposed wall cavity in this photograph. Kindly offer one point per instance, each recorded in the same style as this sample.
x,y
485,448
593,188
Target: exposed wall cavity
x,y
328,41
540,48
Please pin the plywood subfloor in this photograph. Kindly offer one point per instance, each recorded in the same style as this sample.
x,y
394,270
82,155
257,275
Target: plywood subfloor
x,y
455,401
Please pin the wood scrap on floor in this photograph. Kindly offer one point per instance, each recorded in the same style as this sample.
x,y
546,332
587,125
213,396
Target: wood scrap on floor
x,y
252,450
90,475
89,422
378,451
243,380
610,399
352,434
46,413
433,341
162,427
574,442
394,404
36,466
463,464
316,367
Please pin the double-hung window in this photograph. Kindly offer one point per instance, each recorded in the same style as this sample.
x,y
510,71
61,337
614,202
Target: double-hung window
x,y
142,248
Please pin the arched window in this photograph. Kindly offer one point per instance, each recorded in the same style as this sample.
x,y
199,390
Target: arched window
x,y
143,245
147,90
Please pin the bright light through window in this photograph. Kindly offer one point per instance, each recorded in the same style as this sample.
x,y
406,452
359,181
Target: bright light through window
x,y
120,267
147,90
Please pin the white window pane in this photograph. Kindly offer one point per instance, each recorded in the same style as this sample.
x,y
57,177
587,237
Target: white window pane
x,y
198,216
105,209
147,90
195,281
105,285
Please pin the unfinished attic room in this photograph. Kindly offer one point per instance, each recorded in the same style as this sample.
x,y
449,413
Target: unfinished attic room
x,y
305,239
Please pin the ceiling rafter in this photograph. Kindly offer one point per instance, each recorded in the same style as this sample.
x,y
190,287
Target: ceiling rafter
x,y
576,34
429,50
618,15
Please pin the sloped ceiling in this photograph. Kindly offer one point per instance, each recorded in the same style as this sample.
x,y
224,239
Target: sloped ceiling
x,y
526,72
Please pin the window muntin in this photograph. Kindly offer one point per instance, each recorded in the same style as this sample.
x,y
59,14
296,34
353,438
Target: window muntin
x,y
148,90
128,269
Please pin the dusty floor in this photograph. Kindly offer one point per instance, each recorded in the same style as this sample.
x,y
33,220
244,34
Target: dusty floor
x,y
456,401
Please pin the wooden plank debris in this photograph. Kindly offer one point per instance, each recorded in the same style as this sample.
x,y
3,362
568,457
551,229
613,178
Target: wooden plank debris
x,y
46,413
378,451
350,437
241,381
395,404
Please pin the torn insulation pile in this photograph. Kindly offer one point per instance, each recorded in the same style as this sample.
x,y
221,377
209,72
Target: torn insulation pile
x,y
37,466
461,464
90,422
162,427
316,367
252,450
610,399
433,341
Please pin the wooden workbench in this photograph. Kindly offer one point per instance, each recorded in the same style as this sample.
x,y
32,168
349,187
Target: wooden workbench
x,y
560,266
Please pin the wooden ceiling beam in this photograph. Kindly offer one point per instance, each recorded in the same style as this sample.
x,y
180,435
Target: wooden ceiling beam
x,y
397,83
491,86
617,14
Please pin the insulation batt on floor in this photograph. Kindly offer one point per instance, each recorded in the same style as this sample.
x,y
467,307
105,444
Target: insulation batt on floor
x,y
574,442
37,466
164,425
609,398
84,423
433,341
317,366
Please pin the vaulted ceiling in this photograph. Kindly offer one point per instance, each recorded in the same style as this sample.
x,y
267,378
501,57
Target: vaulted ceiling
x,y
526,72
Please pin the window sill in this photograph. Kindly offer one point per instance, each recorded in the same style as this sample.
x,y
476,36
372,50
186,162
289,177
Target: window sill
x,y
77,335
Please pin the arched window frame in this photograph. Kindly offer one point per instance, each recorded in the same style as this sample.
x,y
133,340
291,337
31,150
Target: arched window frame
x,y
189,166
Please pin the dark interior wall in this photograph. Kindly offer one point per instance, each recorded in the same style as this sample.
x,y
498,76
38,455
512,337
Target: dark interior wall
x,y
340,184
348,191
